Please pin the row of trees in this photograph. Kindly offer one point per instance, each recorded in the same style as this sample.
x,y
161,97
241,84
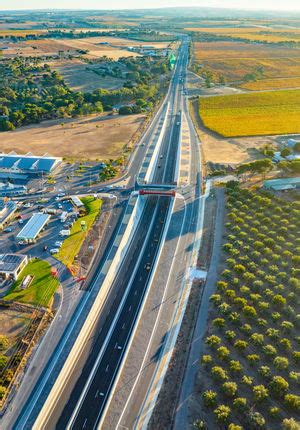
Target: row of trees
x,y
253,345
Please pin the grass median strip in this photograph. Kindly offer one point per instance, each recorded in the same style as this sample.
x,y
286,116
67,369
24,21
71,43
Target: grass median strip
x,y
72,244
40,290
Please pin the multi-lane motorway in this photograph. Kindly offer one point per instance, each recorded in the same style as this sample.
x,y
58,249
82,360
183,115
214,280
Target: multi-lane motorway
x,y
84,396
94,384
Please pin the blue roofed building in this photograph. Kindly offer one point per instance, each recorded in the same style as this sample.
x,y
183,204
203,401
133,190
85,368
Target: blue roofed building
x,y
28,163
33,227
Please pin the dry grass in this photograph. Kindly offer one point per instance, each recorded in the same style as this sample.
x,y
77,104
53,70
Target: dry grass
x,y
262,113
94,137
79,77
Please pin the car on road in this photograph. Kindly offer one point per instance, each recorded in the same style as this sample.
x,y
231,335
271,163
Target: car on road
x,y
59,206
21,221
7,230
54,251
178,123
61,194
45,247
148,266
58,243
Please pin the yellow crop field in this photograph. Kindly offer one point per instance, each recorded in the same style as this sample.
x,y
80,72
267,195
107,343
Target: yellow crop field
x,y
269,84
252,33
253,114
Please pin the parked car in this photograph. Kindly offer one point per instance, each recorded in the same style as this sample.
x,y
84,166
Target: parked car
x,y
54,251
21,221
58,243
7,230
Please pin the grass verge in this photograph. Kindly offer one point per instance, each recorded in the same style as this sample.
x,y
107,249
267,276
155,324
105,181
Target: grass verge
x,y
72,244
42,287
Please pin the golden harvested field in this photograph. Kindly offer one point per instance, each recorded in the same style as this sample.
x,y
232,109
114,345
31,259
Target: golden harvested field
x,y
80,77
270,84
234,60
254,114
265,34
70,46
93,137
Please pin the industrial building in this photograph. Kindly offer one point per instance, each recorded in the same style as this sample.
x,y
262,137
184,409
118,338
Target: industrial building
x,y
7,210
28,163
282,184
11,265
33,227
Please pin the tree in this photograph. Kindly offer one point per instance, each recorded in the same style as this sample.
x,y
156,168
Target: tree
x,y
279,386
292,401
3,361
2,392
290,424
260,393
223,353
281,363
213,340
209,398
222,413
256,420
240,404
218,373
4,343
235,366
206,359
6,125
229,389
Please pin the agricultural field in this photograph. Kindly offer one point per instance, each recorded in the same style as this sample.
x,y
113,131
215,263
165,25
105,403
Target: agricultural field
x,y
249,374
260,33
233,151
41,289
54,47
95,137
253,114
245,64
72,244
271,84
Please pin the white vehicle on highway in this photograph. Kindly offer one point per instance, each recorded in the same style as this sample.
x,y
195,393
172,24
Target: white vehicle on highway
x,y
65,232
58,243
54,251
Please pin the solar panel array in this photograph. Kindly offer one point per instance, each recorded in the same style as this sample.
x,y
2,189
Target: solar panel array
x,y
28,162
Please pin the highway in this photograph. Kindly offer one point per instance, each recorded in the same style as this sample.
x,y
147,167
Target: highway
x,y
98,374
132,276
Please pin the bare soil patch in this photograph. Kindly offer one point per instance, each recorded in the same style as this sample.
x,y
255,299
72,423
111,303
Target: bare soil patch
x,y
94,137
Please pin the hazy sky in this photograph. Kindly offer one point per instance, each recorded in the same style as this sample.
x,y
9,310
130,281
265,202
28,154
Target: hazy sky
x,y
133,4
